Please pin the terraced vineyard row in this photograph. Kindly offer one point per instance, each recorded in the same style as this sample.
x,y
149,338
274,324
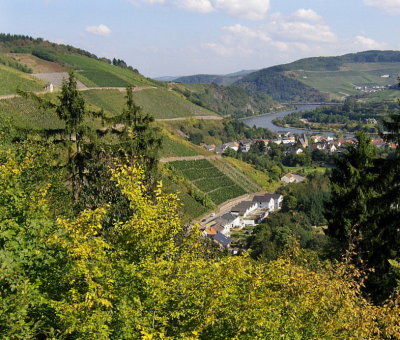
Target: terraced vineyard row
x,y
209,179
233,173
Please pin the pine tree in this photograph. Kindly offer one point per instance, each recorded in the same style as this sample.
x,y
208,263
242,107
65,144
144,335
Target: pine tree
x,y
351,189
139,141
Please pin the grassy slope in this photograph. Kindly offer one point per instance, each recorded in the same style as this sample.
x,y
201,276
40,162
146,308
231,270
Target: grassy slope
x,y
173,146
384,95
160,103
12,79
343,81
36,64
25,114
95,73
259,177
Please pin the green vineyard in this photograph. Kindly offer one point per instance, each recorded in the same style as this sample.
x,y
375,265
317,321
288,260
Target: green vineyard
x,y
209,179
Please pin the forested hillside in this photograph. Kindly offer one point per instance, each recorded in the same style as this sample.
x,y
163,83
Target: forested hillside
x,y
226,100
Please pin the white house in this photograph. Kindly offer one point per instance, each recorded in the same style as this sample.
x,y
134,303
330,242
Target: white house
x,y
49,87
225,223
269,201
290,178
244,208
278,199
298,151
265,202
245,145
258,217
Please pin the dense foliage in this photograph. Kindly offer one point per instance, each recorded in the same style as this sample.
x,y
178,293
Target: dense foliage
x,y
302,215
227,100
147,277
364,214
279,86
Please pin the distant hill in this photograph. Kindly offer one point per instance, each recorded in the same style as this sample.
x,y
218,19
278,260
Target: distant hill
x,y
325,78
226,100
226,79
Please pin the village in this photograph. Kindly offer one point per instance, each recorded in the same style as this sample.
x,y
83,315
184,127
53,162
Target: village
x,y
296,144
240,219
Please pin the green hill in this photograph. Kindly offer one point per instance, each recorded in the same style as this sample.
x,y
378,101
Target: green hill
x,y
159,102
226,79
91,70
226,100
324,78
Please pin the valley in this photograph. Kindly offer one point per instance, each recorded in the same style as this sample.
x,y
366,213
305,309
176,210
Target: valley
x,y
199,207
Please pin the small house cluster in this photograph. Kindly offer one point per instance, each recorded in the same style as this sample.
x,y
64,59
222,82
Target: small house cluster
x,y
372,89
293,144
245,213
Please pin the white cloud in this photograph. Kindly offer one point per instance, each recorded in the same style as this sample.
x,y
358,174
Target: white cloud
x,y
246,32
362,42
201,6
99,30
248,9
302,31
293,36
389,6
306,15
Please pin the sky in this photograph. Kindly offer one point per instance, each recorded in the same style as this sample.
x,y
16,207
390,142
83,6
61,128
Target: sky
x,y
184,37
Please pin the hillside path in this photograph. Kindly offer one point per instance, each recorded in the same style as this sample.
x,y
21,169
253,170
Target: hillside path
x,y
187,158
121,89
188,117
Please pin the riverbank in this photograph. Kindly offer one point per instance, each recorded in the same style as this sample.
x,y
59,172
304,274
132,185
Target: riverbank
x,y
266,121
286,126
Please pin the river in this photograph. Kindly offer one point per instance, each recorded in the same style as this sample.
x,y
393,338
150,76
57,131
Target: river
x,y
265,121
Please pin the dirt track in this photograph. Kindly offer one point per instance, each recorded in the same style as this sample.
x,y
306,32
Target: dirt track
x,y
195,117
187,158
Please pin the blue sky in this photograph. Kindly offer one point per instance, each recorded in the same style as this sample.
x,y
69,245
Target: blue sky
x,y
181,37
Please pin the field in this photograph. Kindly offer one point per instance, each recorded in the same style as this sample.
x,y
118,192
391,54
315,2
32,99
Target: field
x,y
342,82
190,208
173,147
12,79
25,114
95,73
36,64
160,103
249,171
209,179
384,95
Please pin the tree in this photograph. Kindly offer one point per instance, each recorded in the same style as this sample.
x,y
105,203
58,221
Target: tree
x,y
150,278
352,187
139,141
78,136
71,110
364,214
